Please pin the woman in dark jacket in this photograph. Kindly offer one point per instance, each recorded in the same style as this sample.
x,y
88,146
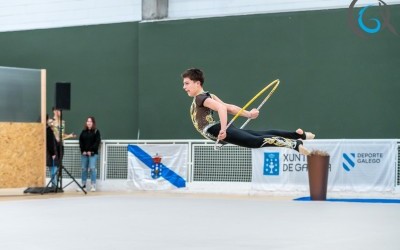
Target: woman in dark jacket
x,y
52,154
89,142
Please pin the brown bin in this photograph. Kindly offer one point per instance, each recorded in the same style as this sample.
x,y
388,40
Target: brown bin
x,y
318,169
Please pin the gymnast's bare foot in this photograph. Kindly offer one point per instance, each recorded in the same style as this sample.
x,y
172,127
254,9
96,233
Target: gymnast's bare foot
x,y
309,135
303,150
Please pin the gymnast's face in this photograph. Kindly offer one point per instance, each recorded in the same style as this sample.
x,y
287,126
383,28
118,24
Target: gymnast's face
x,y
192,88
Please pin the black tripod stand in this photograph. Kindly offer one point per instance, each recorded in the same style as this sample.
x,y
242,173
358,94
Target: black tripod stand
x,y
59,186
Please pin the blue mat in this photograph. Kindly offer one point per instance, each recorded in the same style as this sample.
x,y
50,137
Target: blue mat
x,y
353,200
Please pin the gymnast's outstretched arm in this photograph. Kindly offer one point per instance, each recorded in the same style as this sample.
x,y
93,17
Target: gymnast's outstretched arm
x,y
233,109
221,109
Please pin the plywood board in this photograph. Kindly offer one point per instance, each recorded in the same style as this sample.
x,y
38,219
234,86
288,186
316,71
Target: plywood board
x,y
22,161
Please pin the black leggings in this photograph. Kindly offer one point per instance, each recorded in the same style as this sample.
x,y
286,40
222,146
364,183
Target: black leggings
x,y
257,139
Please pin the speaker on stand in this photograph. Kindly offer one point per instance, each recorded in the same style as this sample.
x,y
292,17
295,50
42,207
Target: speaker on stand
x,y
62,102
63,96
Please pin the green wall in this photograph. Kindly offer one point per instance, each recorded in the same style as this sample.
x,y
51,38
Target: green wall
x,y
333,82
100,62
127,75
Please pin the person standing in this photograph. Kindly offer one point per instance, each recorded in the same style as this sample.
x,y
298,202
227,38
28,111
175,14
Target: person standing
x,y
56,125
89,143
51,153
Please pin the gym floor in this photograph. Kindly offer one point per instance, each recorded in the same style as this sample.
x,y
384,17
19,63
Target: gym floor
x,y
161,220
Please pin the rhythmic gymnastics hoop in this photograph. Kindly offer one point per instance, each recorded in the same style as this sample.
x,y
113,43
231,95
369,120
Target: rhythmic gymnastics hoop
x,y
275,85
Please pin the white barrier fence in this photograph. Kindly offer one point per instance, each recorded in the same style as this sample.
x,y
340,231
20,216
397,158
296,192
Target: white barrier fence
x,y
231,164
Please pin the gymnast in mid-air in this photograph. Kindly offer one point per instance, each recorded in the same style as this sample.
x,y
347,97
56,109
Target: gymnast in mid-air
x,y
205,104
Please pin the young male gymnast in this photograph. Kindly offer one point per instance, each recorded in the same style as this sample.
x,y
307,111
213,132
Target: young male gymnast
x,y
204,104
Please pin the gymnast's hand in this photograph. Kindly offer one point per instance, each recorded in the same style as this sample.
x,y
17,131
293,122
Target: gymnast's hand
x,y
222,135
253,113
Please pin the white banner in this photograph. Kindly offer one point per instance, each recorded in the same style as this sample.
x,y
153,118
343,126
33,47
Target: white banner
x,y
157,167
355,165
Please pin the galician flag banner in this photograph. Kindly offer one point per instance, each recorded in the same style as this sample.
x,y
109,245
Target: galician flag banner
x,y
355,166
157,167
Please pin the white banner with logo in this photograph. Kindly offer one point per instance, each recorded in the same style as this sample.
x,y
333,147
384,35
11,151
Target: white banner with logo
x,y
355,165
157,167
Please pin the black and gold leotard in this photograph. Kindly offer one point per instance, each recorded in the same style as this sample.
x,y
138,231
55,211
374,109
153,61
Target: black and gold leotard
x,y
202,117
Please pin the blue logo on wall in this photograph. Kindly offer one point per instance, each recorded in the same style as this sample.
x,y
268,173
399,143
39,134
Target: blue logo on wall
x,y
271,163
349,161
363,26
371,25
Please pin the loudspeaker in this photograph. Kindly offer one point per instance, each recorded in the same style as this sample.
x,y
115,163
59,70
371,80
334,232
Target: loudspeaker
x,y
63,95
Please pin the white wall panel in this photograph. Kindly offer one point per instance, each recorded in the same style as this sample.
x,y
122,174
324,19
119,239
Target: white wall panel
x,y
40,14
182,9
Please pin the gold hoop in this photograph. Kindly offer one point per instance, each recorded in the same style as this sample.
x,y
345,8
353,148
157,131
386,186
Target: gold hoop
x,y
275,85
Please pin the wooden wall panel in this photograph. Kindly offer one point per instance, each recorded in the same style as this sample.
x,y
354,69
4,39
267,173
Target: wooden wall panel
x,y
22,161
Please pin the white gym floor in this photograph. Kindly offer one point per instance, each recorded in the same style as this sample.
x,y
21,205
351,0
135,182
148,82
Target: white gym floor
x,y
154,220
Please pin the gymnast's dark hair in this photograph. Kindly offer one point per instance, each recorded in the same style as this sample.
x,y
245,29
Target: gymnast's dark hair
x,y
194,74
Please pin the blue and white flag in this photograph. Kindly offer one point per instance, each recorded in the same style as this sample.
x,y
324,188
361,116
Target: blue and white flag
x,y
157,167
